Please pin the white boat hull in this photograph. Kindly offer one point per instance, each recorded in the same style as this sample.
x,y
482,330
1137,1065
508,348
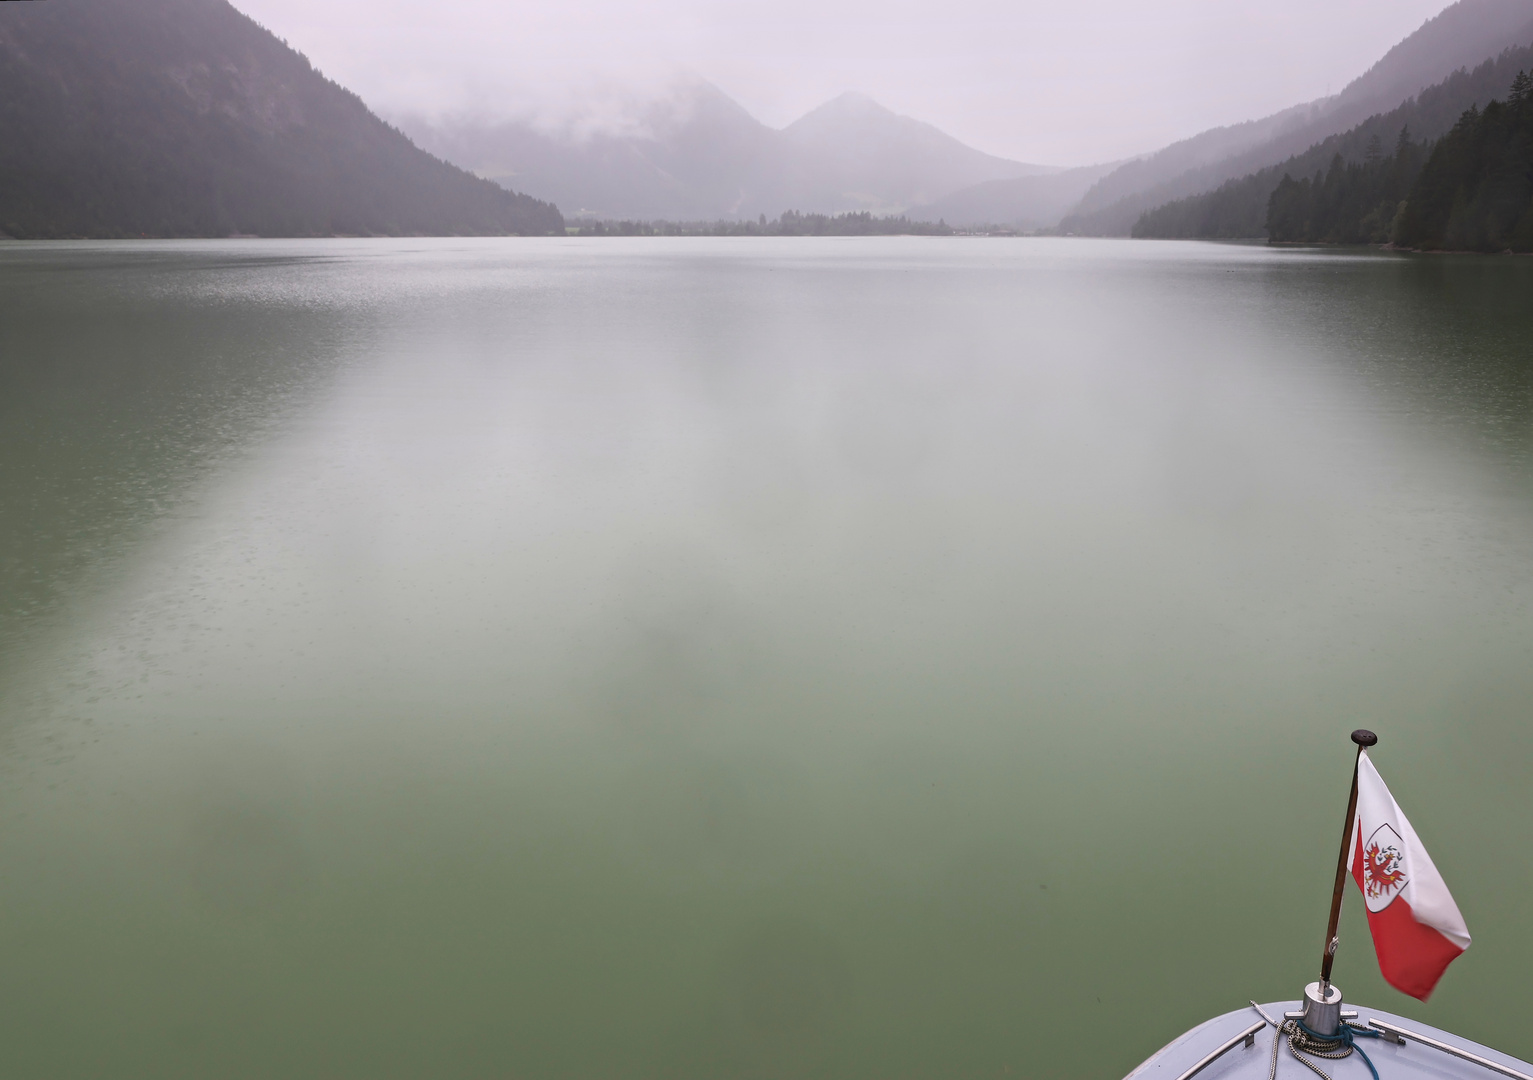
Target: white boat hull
x,y
1410,1060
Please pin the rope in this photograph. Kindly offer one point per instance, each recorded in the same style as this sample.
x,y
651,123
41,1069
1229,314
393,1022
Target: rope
x,y
1302,1041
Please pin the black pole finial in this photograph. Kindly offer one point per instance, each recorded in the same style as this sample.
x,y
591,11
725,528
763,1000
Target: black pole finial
x,y
1364,737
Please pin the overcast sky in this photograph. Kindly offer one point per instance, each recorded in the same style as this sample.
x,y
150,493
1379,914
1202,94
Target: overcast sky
x,y
1050,81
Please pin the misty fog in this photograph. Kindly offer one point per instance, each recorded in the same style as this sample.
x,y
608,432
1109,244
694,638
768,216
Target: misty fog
x,y
1060,84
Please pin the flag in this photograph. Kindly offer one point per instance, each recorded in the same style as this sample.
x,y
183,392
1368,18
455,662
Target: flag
x,y
1417,928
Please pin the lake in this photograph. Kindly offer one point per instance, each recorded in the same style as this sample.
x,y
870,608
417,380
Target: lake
x,y
700,658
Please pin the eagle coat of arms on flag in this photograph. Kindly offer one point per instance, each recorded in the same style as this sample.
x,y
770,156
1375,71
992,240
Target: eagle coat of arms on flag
x,y
1417,928
1384,874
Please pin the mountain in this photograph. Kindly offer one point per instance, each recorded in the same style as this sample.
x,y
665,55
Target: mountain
x,y
1112,204
186,118
690,155
1027,202
697,154
1464,34
852,153
1239,208
1460,36
1471,191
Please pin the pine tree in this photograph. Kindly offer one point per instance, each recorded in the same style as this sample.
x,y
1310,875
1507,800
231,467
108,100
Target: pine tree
x,y
1522,88
1375,151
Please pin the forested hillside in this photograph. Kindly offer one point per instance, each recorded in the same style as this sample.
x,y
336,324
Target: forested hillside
x,y
1475,192
1356,203
1461,36
1238,208
1470,191
185,118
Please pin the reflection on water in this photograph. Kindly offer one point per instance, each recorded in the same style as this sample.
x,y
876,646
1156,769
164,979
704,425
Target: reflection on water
x,y
763,659
118,391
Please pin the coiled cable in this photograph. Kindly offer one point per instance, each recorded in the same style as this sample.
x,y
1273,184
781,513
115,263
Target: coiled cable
x,y
1302,1041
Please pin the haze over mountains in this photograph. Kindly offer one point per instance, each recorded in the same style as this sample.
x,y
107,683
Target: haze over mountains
x,y
1463,35
1238,208
700,155
185,118
697,154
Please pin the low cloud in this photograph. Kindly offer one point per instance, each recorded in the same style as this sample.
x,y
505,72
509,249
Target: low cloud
x,y
1036,81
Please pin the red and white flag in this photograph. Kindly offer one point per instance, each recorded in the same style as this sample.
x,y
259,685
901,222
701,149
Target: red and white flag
x,y
1417,928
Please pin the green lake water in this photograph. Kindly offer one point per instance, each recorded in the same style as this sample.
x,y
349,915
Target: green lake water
x,y
742,658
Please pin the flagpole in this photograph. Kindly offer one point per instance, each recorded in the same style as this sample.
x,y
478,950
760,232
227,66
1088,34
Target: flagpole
x,y
1364,739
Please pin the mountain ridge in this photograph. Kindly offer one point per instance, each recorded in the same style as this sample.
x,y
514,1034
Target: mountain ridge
x,y
688,157
1237,209
1025,202
1466,33
187,118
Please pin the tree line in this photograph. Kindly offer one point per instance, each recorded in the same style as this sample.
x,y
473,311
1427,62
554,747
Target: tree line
x,y
790,223
1351,202
1241,208
1472,192
1475,192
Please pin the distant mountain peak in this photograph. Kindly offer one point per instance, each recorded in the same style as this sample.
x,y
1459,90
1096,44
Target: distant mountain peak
x,y
854,127
853,110
693,152
691,100
852,103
